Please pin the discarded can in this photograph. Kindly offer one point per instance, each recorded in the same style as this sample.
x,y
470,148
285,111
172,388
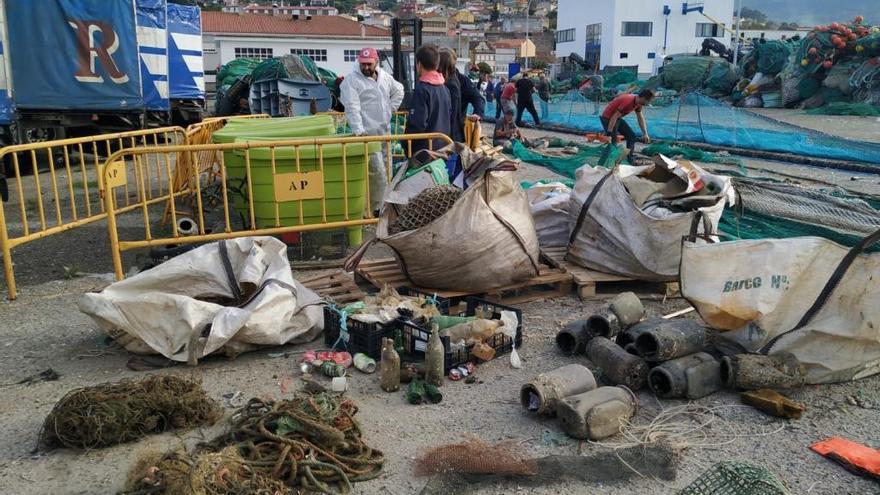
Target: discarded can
x,y
332,369
305,368
756,371
543,392
692,377
339,384
455,374
364,363
597,414
617,365
669,339
627,338
573,338
772,403
624,310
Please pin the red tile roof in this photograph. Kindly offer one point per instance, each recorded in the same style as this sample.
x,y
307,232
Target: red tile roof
x,y
226,22
509,43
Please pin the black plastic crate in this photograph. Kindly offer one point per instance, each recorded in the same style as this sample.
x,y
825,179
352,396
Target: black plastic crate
x,y
363,337
415,335
442,302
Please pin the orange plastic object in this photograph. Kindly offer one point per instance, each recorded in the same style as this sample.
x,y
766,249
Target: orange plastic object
x,y
853,456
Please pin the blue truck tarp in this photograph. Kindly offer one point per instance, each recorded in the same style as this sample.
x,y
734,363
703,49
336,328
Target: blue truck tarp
x,y
7,109
185,52
152,38
73,54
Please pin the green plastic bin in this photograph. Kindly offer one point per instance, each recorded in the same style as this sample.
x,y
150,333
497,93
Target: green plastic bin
x,y
337,179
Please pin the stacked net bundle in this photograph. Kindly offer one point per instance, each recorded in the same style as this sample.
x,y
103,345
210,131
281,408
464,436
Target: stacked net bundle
x,y
473,456
112,413
847,108
736,478
715,75
426,207
674,150
771,57
234,69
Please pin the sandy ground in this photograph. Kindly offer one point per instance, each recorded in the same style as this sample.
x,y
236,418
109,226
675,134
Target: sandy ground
x,y
44,329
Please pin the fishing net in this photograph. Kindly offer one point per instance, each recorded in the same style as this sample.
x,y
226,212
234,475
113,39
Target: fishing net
x,y
310,443
113,413
234,69
846,108
715,75
674,150
736,478
475,457
425,207
605,155
865,82
771,56
808,206
698,118
621,77
284,67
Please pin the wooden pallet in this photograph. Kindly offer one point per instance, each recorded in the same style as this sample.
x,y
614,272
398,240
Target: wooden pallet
x,y
339,287
550,282
595,285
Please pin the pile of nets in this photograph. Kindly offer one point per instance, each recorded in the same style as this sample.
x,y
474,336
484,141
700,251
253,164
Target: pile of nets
x,y
713,75
235,69
621,77
113,413
674,150
770,57
310,443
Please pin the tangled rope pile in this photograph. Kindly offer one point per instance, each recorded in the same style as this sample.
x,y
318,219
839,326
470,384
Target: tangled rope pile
x,y
686,426
112,413
311,442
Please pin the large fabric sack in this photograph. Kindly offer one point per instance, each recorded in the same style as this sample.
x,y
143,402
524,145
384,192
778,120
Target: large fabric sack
x,y
549,206
611,234
485,241
775,295
174,310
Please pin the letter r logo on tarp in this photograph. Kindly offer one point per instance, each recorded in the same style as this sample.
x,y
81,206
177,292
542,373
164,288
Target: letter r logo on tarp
x,y
89,51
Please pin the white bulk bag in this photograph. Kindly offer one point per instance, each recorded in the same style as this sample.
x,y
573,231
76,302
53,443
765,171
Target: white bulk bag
x,y
164,309
549,205
611,234
761,289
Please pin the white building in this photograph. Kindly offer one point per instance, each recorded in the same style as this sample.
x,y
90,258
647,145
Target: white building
x,y
333,42
638,32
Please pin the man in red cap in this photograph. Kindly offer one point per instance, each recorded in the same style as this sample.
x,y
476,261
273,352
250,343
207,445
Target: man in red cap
x,y
371,96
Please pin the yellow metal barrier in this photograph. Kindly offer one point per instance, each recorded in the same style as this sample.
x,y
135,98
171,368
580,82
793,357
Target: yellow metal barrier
x,y
73,185
297,171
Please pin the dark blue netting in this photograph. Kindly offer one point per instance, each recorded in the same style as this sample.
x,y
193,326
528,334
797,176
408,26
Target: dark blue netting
x,y
698,118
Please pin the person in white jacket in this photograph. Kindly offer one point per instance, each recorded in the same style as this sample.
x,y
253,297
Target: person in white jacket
x,y
371,96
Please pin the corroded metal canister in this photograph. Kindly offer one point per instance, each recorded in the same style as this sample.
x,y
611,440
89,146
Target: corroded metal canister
x,y
572,339
623,311
756,371
617,365
543,392
692,377
627,338
597,414
670,339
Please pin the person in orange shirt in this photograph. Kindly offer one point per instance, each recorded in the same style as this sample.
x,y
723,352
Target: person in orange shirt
x,y
612,118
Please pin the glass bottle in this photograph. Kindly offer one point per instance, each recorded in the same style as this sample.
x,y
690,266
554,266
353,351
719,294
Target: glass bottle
x,y
389,367
434,358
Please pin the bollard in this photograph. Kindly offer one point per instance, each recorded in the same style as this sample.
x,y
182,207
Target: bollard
x,y
619,366
627,338
670,339
756,371
623,311
543,393
692,377
597,414
573,338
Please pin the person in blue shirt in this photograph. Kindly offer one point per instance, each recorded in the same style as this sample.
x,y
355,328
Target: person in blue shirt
x,y
498,89
431,105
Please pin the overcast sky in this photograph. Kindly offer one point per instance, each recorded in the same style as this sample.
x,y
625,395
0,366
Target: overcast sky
x,y
812,12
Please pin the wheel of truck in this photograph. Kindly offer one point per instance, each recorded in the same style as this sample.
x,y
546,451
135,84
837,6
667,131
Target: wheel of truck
x,y
26,164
